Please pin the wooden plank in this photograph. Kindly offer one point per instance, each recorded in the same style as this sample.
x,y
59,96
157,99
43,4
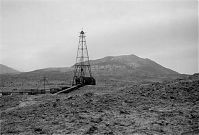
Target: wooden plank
x,y
70,89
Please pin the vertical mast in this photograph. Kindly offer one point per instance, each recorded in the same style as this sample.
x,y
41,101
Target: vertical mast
x,y
82,66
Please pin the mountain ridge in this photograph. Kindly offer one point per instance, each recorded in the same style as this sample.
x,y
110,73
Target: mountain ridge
x,y
129,63
60,69
123,68
8,70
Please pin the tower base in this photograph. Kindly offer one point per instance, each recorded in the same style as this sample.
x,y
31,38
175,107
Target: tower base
x,y
84,81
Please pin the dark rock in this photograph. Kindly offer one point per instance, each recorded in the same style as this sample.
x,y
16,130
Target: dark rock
x,y
91,130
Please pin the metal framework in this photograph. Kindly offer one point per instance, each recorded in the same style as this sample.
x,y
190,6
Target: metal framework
x,y
43,81
82,66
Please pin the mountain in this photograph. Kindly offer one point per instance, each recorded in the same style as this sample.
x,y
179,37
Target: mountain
x,y
130,68
7,70
120,64
52,69
130,64
124,68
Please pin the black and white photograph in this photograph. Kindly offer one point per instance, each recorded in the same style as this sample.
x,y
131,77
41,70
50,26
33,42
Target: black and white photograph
x,y
99,67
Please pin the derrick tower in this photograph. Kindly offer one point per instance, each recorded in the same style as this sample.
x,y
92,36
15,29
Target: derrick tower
x,y
82,71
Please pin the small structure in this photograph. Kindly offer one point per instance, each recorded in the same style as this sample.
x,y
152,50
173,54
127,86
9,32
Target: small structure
x,y
82,71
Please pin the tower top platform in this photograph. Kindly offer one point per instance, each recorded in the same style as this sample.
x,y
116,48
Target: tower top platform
x,y
82,32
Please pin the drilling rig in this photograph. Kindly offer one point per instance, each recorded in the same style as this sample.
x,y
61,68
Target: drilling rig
x,y
82,72
82,68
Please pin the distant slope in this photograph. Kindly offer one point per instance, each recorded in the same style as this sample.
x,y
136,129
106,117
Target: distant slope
x,y
124,67
7,70
121,64
130,64
52,69
127,68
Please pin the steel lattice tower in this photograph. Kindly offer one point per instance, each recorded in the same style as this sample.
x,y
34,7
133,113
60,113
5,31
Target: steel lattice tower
x,y
82,72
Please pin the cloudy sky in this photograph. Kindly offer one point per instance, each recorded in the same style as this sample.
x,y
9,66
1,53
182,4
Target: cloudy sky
x,y
44,33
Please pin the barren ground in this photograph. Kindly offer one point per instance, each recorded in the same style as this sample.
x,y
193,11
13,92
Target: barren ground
x,y
169,108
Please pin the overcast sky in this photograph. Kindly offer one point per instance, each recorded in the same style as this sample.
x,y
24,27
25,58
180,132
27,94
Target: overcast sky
x,y
44,33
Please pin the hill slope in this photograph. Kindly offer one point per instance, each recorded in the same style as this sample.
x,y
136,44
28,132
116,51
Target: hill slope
x,y
121,64
53,69
109,69
166,108
130,64
7,70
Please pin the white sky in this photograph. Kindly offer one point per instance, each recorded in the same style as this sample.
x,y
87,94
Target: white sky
x,y
44,33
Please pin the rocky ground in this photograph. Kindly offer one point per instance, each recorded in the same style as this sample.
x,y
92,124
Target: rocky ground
x,y
170,108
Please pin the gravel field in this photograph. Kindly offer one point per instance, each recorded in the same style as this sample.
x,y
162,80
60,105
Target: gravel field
x,y
167,108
